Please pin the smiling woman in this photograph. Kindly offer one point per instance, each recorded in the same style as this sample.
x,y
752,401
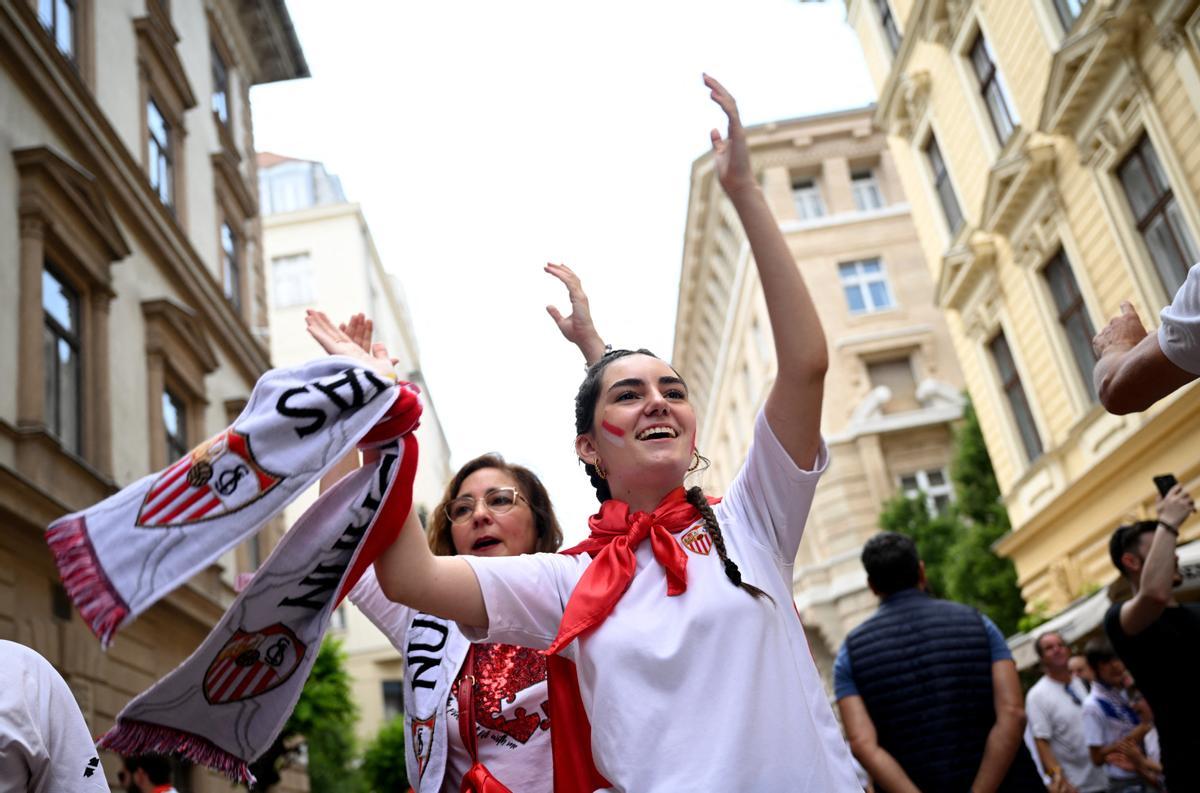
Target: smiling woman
x,y
664,677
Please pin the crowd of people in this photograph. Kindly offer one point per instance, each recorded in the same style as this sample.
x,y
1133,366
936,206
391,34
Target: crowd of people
x,y
663,652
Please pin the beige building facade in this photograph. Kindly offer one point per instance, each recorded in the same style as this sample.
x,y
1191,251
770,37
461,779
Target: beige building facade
x,y
132,294
1048,148
893,388
320,254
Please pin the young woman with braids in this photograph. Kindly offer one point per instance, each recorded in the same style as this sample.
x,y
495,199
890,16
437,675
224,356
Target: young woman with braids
x,y
692,669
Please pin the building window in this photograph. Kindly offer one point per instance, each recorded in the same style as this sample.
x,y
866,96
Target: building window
x,y
1073,317
60,18
991,88
60,346
897,376
888,22
174,413
866,190
933,485
808,199
231,267
291,281
941,184
159,155
220,94
1157,213
393,699
866,286
286,188
1010,381
1068,11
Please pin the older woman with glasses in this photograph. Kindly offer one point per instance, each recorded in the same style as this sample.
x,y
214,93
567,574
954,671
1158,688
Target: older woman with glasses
x,y
491,507
690,667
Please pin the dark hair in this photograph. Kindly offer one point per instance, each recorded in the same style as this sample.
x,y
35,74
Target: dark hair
x,y
1037,643
585,418
585,409
1125,539
891,562
547,533
156,766
1098,651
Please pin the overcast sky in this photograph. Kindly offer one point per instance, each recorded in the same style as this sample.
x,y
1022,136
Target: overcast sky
x,y
484,139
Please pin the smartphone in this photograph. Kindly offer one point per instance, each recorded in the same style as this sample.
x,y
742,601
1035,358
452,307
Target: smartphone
x,y
1164,483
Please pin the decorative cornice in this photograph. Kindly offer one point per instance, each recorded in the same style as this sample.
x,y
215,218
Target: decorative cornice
x,y
906,104
1106,33
157,40
1028,161
940,20
225,166
963,266
166,318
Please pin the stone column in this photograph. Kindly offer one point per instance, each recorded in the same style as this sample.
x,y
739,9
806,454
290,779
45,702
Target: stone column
x,y
835,173
31,383
99,451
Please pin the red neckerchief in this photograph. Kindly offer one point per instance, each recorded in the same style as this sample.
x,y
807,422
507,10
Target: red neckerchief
x,y
163,788
615,536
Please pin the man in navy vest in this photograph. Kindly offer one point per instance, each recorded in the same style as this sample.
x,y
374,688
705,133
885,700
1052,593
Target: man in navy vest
x,y
927,689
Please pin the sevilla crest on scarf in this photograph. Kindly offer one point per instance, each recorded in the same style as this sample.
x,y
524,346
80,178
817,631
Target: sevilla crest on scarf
x,y
217,477
697,540
251,664
422,741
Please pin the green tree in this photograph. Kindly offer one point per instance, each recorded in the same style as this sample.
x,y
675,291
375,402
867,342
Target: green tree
x,y
323,719
957,546
383,762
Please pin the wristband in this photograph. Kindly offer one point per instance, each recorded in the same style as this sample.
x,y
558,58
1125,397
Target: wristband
x,y
1173,529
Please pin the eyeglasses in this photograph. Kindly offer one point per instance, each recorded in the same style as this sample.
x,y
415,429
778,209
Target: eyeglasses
x,y
498,501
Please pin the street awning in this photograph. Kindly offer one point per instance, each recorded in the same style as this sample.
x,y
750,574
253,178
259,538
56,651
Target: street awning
x,y
1087,614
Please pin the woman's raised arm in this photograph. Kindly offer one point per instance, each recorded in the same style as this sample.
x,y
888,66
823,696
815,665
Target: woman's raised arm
x,y
793,406
408,572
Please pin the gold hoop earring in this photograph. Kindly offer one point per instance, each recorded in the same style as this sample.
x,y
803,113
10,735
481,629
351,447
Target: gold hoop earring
x,y
696,458
599,466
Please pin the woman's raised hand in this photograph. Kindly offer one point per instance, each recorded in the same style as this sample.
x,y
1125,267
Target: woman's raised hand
x,y
348,340
731,154
577,327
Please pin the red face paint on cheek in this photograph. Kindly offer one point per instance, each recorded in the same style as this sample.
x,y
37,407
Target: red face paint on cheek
x,y
616,435
620,433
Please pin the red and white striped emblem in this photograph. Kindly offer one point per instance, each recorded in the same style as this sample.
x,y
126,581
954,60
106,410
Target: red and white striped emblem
x,y
697,540
422,741
217,477
252,663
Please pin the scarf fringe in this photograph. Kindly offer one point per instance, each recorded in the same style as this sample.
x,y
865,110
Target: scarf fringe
x,y
97,600
131,737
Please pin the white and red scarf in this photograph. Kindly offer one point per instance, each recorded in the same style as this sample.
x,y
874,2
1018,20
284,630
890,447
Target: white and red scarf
x,y
225,704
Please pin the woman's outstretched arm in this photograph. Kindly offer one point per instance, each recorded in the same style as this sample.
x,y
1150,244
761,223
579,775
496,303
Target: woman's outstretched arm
x,y
793,406
408,572
577,327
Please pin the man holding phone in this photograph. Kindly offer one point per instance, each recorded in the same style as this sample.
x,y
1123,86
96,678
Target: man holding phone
x,y
1158,638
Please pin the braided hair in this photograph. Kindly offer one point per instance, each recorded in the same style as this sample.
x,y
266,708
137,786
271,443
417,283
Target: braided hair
x,y
585,418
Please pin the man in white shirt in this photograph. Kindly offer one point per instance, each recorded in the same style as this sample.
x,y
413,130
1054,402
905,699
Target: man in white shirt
x,y
1135,368
1054,707
45,746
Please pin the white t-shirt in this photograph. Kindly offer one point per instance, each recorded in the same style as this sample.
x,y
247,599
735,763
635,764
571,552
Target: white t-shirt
x,y
1179,333
45,746
512,726
512,736
711,688
1055,717
1107,718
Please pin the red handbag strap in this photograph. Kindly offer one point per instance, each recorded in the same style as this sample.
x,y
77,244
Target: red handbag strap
x,y
466,704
